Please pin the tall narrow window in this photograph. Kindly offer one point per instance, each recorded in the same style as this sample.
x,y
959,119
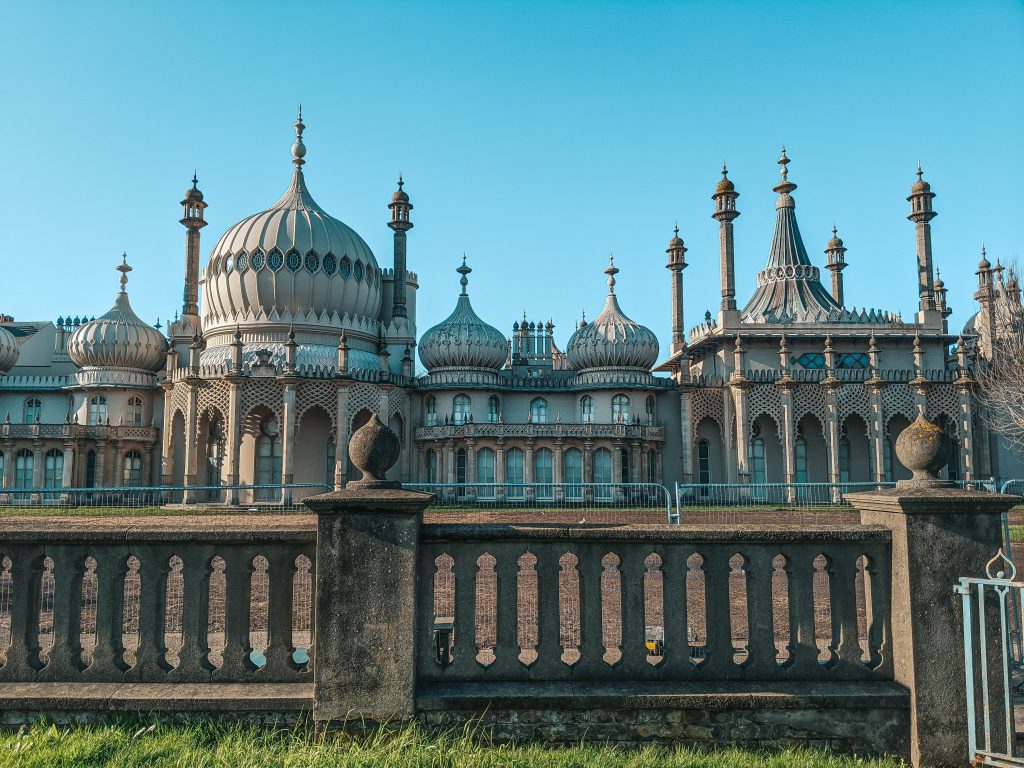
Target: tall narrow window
x,y
90,469
801,460
652,467
538,410
620,409
572,472
97,409
24,463
703,462
543,473
888,459
332,457
625,469
132,469
133,411
431,411
649,410
514,472
430,466
268,458
485,473
586,409
492,409
53,475
844,460
215,452
603,473
33,410
758,471
461,409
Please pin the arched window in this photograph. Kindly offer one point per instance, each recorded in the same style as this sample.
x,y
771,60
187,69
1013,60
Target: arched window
x,y
620,409
800,448
844,460
215,453
461,409
430,466
133,411
132,469
514,472
649,410
268,458
493,407
33,410
485,473
603,473
431,411
97,409
652,467
24,463
572,472
538,410
586,409
703,462
460,471
53,474
758,472
543,473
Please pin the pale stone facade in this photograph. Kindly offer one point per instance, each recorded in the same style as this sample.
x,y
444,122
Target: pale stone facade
x,y
300,335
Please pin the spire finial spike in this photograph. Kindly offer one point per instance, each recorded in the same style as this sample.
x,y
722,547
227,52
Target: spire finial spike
x,y
611,270
195,179
784,161
835,232
920,173
298,148
124,269
401,181
464,270
725,171
676,228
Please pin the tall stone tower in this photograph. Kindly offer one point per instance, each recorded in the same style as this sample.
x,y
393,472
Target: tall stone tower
x,y
725,213
186,327
677,263
921,214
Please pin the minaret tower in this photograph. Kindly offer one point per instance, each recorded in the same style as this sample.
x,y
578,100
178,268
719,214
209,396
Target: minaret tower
x,y
725,213
986,296
677,263
193,220
921,214
835,253
400,224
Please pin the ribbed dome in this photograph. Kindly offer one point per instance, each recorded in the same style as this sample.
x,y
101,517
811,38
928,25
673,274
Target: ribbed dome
x,y
8,350
292,263
118,339
612,340
463,340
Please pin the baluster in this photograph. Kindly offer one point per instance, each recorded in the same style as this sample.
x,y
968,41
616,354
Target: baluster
x,y
591,663
464,664
108,654
549,664
427,667
760,618
801,611
719,662
843,596
310,553
634,651
281,572
65,657
506,664
880,629
237,666
26,590
677,647
193,659
150,658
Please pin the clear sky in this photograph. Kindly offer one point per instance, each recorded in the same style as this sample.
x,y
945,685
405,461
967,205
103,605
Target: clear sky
x,y
534,137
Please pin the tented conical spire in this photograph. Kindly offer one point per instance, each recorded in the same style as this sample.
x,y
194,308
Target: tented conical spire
x,y
789,287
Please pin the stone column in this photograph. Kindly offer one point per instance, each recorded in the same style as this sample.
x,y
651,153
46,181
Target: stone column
x,y
635,460
101,464
831,386
963,388
528,470
118,478
9,462
167,439
341,438
939,533
470,468
739,397
288,427
234,438
38,465
686,433
877,426
499,468
366,629
191,443
788,429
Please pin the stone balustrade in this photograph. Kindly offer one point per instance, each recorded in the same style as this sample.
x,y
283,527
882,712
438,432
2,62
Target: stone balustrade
x,y
71,431
620,431
157,601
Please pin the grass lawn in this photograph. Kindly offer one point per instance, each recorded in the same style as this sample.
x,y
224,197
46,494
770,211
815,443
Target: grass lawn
x,y
208,745
1016,533
96,511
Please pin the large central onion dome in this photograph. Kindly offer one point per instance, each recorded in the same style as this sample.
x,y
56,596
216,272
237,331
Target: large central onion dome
x,y
8,350
612,340
293,264
118,339
463,341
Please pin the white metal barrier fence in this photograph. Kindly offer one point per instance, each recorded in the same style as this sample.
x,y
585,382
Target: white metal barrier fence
x,y
137,498
555,502
988,662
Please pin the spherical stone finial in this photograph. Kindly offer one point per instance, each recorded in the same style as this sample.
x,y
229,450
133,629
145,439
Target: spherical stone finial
x,y
374,448
924,449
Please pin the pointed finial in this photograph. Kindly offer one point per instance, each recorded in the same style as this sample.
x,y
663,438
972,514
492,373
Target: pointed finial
x,y
920,173
611,270
835,232
195,178
675,229
158,326
298,148
725,171
401,182
124,269
464,270
784,161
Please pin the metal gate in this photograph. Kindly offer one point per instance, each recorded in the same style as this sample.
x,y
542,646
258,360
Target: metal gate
x,y
991,609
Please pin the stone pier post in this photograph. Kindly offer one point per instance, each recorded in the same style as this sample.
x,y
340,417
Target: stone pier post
x,y
367,549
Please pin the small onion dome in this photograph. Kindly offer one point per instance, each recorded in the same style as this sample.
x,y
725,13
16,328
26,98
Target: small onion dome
x,y
939,283
725,185
463,340
612,340
836,242
400,196
920,185
118,339
8,350
193,195
984,263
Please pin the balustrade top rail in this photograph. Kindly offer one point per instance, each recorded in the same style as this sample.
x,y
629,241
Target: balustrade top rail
x,y
68,430
193,529
478,429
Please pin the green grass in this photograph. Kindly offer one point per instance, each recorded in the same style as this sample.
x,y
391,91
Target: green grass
x,y
1017,533
209,745
100,511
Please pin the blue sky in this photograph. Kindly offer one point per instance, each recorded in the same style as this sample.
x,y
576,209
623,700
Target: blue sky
x,y
535,137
